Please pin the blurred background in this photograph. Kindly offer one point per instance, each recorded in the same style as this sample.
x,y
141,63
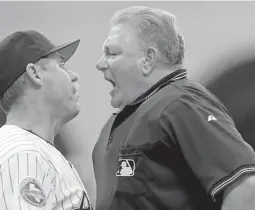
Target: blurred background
x,y
220,53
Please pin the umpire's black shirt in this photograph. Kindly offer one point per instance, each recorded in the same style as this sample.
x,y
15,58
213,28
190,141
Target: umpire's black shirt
x,y
180,146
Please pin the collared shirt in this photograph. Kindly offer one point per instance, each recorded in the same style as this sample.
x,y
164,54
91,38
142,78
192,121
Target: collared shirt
x,y
129,109
180,145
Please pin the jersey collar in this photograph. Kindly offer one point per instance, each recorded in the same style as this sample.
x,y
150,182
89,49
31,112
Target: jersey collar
x,y
172,77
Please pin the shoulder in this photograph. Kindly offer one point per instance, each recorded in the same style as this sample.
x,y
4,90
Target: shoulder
x,y
192,95
14,140
194,104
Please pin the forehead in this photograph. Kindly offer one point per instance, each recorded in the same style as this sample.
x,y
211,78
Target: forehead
x,y
56,56
121,35
51,60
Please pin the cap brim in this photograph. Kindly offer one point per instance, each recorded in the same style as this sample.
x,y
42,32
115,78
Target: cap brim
x,y
65,50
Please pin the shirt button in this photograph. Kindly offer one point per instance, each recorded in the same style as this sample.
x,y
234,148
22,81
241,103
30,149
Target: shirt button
x,y
110,140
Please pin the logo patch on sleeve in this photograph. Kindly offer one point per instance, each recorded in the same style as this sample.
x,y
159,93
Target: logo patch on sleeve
x,y
32,192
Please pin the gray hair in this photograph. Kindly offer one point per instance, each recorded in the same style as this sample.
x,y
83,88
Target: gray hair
x,y
156,28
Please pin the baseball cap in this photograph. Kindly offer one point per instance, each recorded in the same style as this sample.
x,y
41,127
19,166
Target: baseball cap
x,y
24,47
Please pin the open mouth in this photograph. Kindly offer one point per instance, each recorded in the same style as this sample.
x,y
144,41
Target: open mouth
x,y
112,82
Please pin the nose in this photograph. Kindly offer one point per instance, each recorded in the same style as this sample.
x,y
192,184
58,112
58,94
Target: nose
x,y
74,77
102,64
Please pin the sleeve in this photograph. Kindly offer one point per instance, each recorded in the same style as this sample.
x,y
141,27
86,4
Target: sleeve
x,y
209,141
27,182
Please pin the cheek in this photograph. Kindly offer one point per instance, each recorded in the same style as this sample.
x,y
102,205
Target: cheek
x,y
127,77
57,88
124,70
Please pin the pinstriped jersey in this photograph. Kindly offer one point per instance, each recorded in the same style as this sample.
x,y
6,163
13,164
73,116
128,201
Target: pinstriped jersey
x,y
35,176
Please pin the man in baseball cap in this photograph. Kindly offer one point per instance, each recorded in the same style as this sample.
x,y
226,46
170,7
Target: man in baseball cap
x,y
38,95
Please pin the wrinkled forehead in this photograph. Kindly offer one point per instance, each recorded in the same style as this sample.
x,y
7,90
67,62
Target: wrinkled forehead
x,y
57,56
114,36
52,59
122,35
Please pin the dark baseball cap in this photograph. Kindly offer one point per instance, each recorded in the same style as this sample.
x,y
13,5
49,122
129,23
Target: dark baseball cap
x,y
24,47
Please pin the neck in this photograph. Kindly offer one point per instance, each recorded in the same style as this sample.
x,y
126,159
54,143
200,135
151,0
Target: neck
x,y
159,73
37,121
156,75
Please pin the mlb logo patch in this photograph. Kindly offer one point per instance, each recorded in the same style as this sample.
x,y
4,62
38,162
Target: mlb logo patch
x,y
126,167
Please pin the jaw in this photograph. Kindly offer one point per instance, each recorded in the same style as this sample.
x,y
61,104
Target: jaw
x,y
116,98
72,113
68,109
119,101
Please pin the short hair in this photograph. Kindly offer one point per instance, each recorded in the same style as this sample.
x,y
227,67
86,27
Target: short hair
x,y
12,94
16,90
156,28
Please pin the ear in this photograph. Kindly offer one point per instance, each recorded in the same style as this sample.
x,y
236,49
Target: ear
x,y
33,74
150,61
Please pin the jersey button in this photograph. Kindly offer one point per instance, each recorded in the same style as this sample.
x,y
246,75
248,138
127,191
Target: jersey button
x,y
109,142
110,139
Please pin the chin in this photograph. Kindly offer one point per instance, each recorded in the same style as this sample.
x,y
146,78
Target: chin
x,y
72,113
116,103
76,110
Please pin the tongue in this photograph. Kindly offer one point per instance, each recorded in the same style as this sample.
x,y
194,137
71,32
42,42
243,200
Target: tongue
x,y
114,90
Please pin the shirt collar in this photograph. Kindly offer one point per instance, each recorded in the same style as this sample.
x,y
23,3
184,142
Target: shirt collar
x,y
172,77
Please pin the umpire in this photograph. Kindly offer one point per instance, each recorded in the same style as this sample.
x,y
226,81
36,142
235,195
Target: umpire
x,y
176,137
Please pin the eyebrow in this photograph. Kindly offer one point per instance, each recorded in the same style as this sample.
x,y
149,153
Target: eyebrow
x,y
107,47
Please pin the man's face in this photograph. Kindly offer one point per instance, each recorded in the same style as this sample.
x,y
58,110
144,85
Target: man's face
x,y
121,64
60,89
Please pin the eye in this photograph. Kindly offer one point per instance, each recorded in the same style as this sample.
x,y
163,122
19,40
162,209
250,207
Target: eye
x,y
114,54
108,53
